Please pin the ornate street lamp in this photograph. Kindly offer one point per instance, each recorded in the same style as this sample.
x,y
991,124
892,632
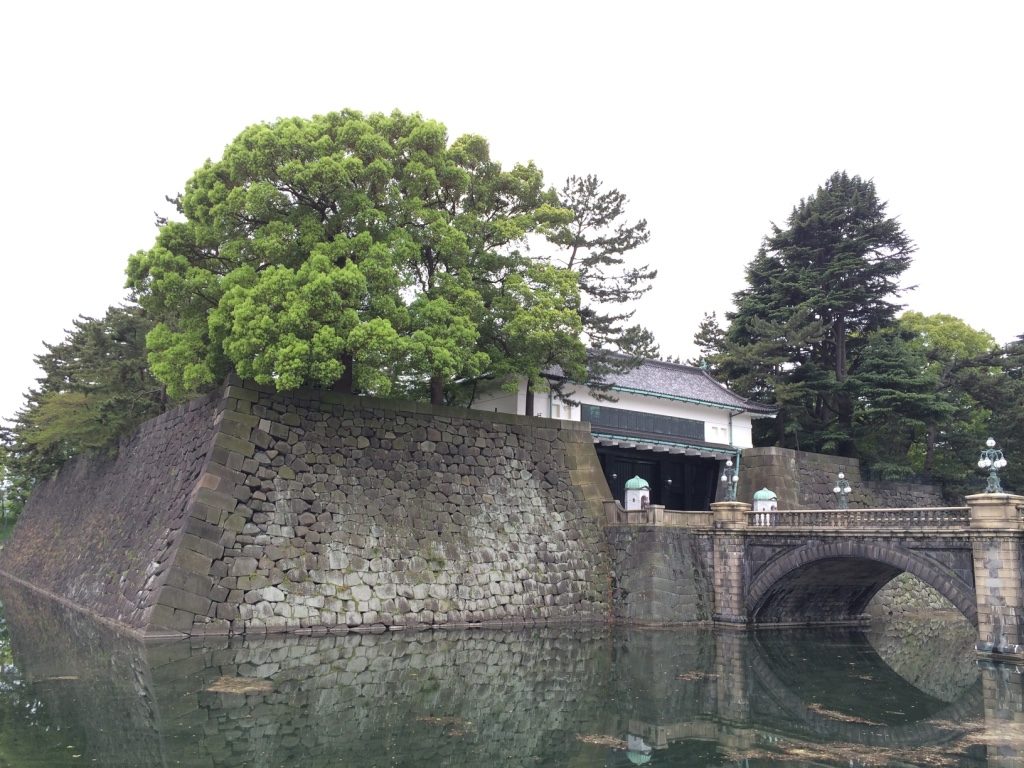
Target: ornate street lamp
x,y
992,459
842,491
730,477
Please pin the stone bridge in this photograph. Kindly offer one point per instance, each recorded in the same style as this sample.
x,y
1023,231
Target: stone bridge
x,y
736,566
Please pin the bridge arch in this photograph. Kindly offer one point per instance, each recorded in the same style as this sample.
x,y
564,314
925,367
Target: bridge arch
x,y
829,581
941,726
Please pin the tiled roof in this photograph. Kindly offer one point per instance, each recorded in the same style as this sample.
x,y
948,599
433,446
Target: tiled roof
x,y
656,378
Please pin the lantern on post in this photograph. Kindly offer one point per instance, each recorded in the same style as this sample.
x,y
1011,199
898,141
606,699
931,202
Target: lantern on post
x,y
842,491
731,478
993,460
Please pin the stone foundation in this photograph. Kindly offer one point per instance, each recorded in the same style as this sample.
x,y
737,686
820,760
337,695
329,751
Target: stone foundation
x,y
252,512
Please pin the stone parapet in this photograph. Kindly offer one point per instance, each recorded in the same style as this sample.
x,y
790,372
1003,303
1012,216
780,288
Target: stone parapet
x,y
996,511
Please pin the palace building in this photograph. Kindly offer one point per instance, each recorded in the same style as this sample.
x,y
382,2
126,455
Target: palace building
x,y
672,425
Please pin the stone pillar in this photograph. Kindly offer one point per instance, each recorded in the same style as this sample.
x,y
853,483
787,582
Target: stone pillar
x,y
996,532
731,684
1003,690
730,521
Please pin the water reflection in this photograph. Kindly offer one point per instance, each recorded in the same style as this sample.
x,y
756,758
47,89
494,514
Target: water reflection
x,y
75,693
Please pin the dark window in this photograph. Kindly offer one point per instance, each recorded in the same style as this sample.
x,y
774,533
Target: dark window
x,y
635,422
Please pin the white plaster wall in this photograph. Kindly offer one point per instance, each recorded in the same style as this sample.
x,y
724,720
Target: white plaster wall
x,y
716,420
549,405
500,400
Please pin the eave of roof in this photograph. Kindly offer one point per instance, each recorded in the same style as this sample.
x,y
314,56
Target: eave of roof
x,y
718,449
757,410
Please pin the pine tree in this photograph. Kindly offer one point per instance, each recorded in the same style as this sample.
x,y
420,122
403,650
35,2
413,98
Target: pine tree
x,y
597,244
827,280
95,388
710,341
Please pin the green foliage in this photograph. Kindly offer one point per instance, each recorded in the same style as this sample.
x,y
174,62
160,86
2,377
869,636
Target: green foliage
x,y
710,341
95,388
1001,391
361,252
898,400
816,291
596,243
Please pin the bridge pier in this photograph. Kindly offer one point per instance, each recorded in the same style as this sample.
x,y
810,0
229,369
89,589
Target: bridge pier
x,y
996,533
730,522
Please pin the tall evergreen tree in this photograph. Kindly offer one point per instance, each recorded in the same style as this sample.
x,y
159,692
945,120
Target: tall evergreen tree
x,y
836,266
95,388
710,341
597,244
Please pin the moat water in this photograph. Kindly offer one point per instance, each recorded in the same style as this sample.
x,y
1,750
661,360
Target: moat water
x,y
908,692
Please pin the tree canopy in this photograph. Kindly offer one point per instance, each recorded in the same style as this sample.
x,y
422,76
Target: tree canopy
x,y
815,333
816,290
366,253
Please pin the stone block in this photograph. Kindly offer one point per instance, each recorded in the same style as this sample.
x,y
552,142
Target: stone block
x,y
205,547
243,566
187,580
234,444
181,600
202,529
165,617
193,562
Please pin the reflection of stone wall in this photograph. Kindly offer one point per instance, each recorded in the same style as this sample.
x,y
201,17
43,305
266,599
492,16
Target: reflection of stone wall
x,y
542,696
934,655
447,698
804,480
478,698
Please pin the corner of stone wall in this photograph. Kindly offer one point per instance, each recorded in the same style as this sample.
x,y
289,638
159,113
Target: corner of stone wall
x,y
585,470
192,599
189,601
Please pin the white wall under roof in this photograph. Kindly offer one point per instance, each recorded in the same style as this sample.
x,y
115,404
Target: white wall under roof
x,y
549,405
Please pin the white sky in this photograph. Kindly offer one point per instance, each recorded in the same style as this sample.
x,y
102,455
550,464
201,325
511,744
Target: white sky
x,y
715,119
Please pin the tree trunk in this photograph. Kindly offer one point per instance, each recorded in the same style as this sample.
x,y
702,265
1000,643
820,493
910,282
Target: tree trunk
x,y
844,403
839,337
929,455
436,390
529,397
346,384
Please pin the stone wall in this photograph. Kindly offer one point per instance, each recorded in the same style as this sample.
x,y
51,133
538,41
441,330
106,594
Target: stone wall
x,y
906,595
660,575
804,480
252,512
104,532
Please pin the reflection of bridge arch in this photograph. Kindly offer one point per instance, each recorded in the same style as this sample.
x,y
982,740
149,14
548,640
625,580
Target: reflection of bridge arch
x,y
939,728
833,580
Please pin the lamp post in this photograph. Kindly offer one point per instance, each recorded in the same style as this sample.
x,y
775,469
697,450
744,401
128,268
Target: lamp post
x,y
992,459
730,477
842,491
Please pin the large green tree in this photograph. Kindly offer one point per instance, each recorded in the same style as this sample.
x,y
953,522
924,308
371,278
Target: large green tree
x,y
826,281
360,252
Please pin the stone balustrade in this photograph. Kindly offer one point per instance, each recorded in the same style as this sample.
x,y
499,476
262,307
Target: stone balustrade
x,y
909,517
906,517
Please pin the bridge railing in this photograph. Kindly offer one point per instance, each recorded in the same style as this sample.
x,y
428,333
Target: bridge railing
x,y
906,517
903,517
